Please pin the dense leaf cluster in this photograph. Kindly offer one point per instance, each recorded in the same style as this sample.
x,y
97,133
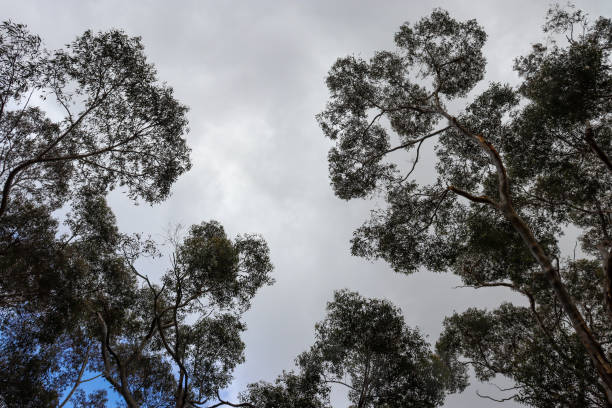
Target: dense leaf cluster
x,y
514,168
365,346
73,304
179,341
117,124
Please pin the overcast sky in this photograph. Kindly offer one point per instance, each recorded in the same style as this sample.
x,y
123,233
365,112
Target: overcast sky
x,y
252,73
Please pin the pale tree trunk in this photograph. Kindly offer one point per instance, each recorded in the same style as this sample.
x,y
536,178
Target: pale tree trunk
x,y
585,335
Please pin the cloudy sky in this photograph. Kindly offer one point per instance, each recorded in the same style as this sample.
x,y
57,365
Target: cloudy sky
x,y
252,73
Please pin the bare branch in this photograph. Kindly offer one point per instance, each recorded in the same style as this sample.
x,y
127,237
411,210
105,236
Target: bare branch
x,y
408,144
495,399
341,383
223,402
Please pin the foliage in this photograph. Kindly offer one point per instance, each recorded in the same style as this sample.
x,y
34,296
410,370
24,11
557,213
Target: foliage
x,y
119,125
536,347
74,124
289,390
513,169
364,345
169,345
176,344
53,279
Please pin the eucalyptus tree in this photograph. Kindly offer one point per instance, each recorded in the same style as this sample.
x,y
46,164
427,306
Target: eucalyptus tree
x,y
169,343
74,124
176,343
513,168
47,347
535,346
75,121
364,346
92,114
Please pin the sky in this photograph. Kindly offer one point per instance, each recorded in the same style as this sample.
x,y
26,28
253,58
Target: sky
x,y
252,73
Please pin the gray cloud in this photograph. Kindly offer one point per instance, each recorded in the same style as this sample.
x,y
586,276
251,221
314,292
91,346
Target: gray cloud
x,y
253,76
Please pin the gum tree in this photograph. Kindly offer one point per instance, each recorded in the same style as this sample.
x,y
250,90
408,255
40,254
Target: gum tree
x,y
535,346
76,121
513,168
74,124
169,343
177,342
117,125
364,346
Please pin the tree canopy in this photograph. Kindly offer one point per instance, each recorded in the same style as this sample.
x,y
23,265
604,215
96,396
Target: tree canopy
x,y
169,343
117,124
73,304
177,342
364,346
514,167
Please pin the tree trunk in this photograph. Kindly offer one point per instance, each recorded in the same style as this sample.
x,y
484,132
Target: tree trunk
x,y
585,335
592,347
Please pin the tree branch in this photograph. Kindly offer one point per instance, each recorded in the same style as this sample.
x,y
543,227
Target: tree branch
x,y
78,380
408,144
123,387
588,136
341,383
476,199
495,399
223,402
592,346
